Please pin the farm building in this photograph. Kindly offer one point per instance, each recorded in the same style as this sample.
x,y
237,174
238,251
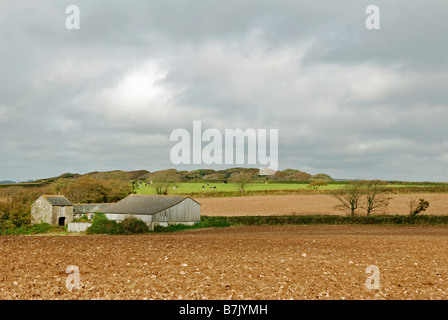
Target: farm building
x,y
153,210
88,209
52,209
156,210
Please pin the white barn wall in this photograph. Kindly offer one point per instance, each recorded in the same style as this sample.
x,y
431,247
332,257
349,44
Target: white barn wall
x,y
121,216
78,226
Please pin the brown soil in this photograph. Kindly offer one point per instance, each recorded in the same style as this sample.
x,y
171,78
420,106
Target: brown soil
x,y
269,262
308,204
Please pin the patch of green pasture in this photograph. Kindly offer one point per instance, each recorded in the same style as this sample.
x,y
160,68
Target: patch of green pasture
x,y
194,187
197,187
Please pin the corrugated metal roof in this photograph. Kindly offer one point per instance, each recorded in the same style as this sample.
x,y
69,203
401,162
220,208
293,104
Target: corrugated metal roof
x,y
144,204
57,200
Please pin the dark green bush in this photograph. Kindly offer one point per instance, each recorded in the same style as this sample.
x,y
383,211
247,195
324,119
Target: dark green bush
x,y
6,224
41,228
132,225
8,228
98,216
102,225
171,228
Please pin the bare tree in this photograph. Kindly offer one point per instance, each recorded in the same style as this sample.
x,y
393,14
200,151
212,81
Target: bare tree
x,y
349,197
241,179
375,197
367,195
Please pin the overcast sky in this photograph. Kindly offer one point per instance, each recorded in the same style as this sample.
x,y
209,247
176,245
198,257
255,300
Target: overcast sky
x,y
347,101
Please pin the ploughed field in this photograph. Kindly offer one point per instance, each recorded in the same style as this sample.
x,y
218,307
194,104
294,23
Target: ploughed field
x,y
264,262
309,204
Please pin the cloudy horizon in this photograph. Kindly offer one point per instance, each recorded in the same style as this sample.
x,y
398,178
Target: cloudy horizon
x,y
347,101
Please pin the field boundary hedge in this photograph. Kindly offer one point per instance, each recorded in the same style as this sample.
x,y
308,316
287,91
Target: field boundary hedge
x,y
326,220
222,221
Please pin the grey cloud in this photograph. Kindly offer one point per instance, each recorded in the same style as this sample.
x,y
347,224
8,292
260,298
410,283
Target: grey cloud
x,y
347,101
411,37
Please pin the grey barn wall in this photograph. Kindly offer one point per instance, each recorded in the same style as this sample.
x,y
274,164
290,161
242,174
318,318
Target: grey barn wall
x,y
186,212
41,211
88,209
62,211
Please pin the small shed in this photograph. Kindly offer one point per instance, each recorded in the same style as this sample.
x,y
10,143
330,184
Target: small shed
x,y
156,210
52,209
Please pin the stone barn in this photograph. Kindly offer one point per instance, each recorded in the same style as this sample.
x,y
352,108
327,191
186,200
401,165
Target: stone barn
x,y
156,210
52,209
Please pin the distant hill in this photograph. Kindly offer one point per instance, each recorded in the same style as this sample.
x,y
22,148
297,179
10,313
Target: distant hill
x,y
182,175
7,182
100,175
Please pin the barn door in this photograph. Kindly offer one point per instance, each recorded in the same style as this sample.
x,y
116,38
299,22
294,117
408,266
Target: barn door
x,y
61,220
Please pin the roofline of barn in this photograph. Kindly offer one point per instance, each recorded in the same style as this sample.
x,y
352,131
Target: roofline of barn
x,y
175,204
56,195
182,198
169,195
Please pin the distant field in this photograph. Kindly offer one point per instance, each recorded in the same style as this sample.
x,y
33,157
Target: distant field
x,y
199,187
277,205
196,187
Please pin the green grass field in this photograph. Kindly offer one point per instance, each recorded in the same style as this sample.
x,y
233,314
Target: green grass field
x,y
196,187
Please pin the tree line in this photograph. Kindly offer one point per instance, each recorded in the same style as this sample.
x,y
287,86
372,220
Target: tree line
x,y
355,198
370,197
15,202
